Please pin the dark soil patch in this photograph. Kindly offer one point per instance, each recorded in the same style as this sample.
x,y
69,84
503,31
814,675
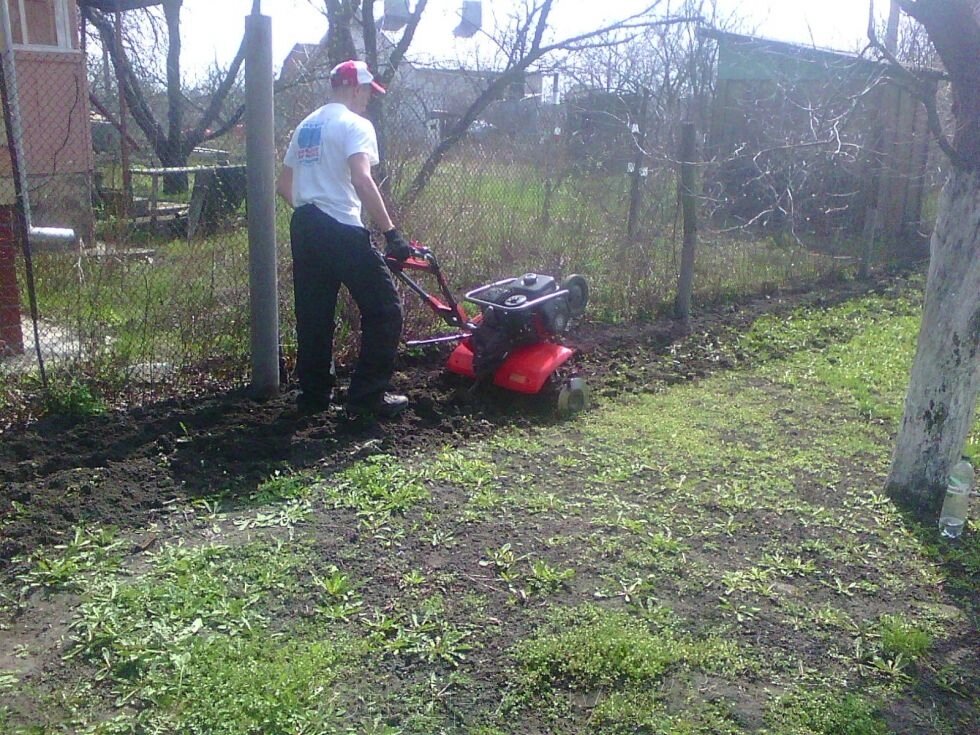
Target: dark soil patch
x,y
126,467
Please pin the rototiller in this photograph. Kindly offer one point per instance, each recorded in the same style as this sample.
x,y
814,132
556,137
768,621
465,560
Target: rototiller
x,y
513,341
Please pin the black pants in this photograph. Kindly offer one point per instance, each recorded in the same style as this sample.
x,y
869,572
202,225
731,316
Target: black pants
x,y
327,254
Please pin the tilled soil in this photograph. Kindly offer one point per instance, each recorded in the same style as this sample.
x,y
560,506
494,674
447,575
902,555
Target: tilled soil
x,y
127,467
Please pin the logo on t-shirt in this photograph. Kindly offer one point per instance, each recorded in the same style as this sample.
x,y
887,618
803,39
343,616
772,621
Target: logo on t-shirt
x,y
308,143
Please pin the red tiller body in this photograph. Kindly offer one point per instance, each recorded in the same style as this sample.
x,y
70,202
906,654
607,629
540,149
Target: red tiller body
x,y
528,365
526,369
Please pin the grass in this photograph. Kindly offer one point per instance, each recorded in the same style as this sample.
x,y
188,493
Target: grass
x,y
589,648
70,566
713,557
824,712
190,644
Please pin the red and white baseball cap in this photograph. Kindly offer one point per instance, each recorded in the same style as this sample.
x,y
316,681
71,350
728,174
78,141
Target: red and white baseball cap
x,y
352,74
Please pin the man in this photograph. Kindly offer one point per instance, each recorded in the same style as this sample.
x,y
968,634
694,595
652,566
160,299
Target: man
x,y
327,179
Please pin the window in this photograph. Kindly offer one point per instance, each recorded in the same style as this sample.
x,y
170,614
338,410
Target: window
x,y
44,23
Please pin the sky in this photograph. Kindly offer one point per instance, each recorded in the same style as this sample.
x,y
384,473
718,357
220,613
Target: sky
x,y
212,29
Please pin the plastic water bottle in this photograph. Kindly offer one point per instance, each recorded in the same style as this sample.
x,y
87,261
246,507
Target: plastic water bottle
x,y
953,515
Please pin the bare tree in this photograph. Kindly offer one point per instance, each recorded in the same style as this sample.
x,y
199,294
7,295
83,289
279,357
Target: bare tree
x,y
344,15
674,63
945,379
340,37
522,46
891,29
171,142
638,94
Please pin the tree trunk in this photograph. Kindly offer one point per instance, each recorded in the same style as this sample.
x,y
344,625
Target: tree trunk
x,y
891,29
173,158
376,113
340,40
376,110
174,183
942,394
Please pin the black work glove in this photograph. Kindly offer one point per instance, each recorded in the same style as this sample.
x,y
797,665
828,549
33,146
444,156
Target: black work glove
x,y
396,246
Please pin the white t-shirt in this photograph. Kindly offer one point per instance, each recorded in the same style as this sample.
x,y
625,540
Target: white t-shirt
x,y
318,154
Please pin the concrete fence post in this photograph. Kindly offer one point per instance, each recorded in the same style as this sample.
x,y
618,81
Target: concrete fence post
x,y
261,166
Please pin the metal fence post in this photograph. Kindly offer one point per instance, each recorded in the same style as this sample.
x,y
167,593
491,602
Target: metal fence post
x,y
685,283
260,152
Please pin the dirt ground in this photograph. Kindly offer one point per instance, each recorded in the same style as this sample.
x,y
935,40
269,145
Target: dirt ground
x,y
126,467
130,468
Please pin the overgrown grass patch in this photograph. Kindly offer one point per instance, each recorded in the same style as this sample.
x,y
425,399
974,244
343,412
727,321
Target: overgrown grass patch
x,y
591,649
68,397
284,486
196,644
255,683
376,487
870,371
824,712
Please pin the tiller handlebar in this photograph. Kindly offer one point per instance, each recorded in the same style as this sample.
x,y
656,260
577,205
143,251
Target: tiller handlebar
x,y
447,308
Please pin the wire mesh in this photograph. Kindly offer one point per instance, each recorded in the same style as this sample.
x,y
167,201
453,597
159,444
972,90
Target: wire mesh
x,y
151,296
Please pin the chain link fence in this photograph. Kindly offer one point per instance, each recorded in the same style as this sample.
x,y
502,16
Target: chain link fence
x,y
150,297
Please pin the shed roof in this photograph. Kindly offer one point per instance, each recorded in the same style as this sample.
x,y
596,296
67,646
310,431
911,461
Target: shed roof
x,y
742,57
114,5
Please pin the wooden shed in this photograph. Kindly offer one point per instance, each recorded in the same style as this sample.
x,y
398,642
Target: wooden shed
x,y
835,141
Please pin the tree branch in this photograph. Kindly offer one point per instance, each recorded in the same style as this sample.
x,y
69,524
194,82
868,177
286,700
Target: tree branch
x,y
138,106
217,101
511,74
226,126
920,87
175,106
340,42
369,34
954,30
398,53
542,25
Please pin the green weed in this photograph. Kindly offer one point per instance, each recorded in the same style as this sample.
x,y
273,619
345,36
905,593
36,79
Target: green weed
x,y
425,636
594,648
473,474
624,713
255,682
128,629
286,515
283,486
824,712
377,488
71,398
545,579
901,637
91,551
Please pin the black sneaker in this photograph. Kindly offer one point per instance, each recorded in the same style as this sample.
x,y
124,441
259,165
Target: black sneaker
x,y
312,402
386,406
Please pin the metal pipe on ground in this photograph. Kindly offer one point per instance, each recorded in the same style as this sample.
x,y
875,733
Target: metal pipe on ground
x,y
53,236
